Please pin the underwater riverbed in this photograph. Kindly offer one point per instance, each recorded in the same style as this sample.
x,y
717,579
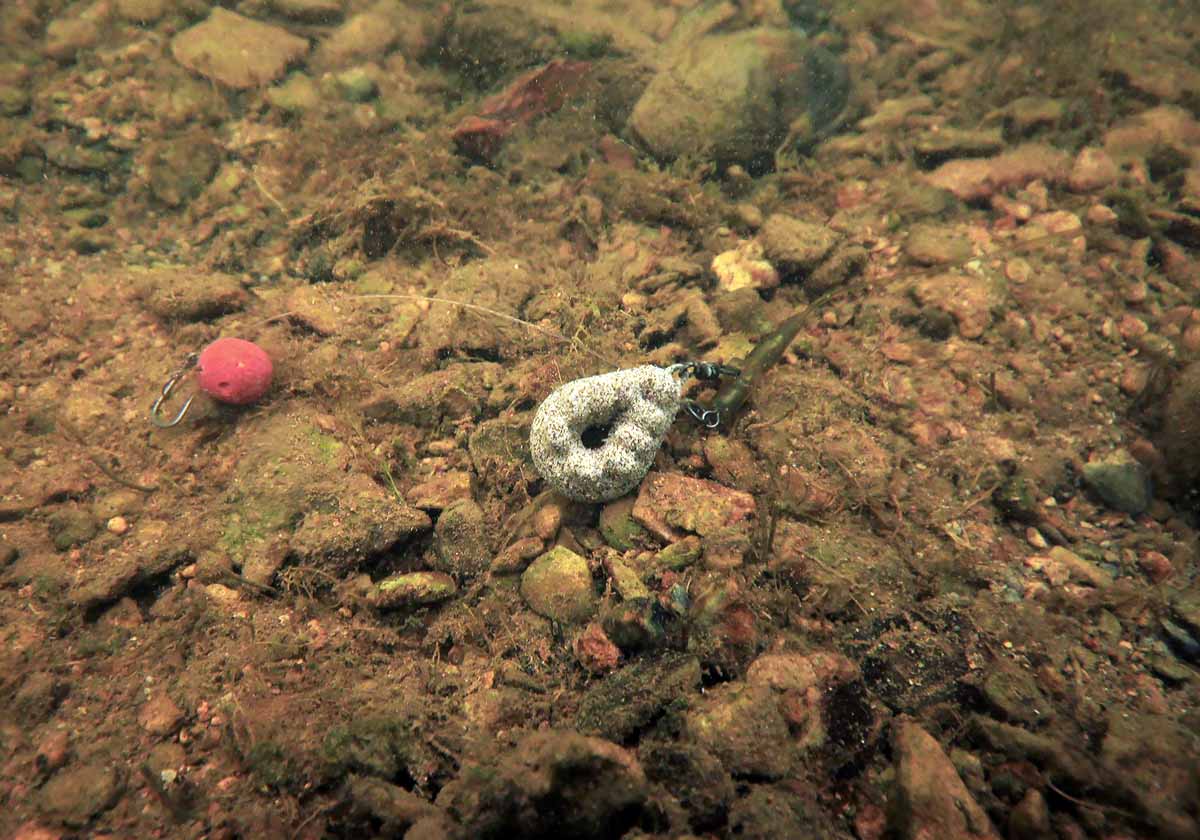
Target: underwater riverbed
x,y
935,576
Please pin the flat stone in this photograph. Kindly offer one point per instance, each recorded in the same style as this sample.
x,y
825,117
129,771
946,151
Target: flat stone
x,y
366,521
669,505
80,793
440,491
1164,127
310,11
160,715
142,11
938,146
973,179
176,293
793,245
968,299
1093,169
364,37
414,589
515,557
935,245
801,672
237,51
1079,569
65,37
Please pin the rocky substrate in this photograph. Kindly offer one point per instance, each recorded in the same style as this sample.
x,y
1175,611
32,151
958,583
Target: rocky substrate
x,y
937,577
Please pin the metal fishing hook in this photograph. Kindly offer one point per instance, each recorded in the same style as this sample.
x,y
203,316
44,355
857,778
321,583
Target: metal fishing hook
x,y
709,418
155,410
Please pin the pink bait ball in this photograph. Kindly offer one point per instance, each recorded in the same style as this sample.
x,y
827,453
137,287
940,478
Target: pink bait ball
x,y
234,371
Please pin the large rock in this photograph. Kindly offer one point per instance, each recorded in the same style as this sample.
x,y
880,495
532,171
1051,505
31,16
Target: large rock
x,y
742,725
734,96
237,51
931,799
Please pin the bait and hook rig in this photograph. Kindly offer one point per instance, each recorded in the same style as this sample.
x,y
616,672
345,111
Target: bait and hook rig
x,y
230,370
594,439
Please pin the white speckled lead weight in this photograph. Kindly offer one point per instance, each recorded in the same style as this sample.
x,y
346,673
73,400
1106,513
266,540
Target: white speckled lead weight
x,y
637,405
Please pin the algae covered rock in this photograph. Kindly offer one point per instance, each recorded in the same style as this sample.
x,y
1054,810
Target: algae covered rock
x,y
795,246
176,293
630,699
291,492
179,168
436,398
552,783
558,585
77,794
618,527
359,521
1120,482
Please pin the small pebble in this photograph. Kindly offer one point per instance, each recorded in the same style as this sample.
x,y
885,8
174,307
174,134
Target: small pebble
x,y
117,525
1156,565
1099,214
1136,292
1034,537
1190,341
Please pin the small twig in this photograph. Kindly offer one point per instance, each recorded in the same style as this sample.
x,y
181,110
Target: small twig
x,y
75,435
263,189
1094,806
474,307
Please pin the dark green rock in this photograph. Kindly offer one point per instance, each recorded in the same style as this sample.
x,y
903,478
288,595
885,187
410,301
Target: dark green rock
x,y
1122,485
71,527
637,624
1016,497
461,545
631,698
1013,694
618,527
